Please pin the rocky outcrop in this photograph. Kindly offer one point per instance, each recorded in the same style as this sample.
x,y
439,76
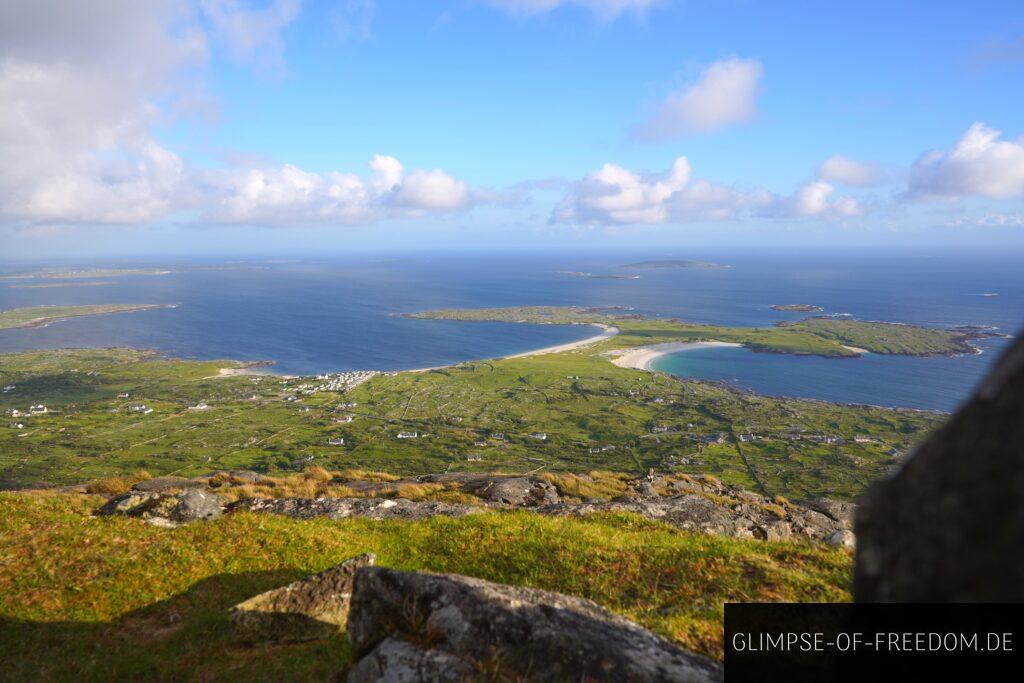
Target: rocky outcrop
x,y
949,526
695,504
165,509
341,508
515,491
407,626
314,607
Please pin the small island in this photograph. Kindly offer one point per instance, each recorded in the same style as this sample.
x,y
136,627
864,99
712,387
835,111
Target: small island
x,y
802,308
73,283
41,316
85,273
675,263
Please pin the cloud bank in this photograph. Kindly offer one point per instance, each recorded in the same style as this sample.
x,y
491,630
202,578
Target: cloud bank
x,y
613,195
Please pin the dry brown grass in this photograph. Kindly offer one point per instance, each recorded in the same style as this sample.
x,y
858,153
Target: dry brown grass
x,y
366,475
597,484
119,484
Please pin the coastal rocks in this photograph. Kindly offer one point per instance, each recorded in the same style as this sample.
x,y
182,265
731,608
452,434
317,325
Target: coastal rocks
x,y
949,525
187,506
408,626
341,508
311,608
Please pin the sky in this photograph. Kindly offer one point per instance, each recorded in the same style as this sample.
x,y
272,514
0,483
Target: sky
x,y
192,127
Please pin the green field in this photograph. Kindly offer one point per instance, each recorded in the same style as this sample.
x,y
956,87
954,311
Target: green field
x,y
36,316
594,414
814,336
110,598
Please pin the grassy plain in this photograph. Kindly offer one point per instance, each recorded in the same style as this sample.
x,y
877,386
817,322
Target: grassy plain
x,y
88,598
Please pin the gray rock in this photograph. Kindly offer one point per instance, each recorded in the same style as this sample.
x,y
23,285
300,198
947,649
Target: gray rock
x,y
836,510
517,491
399,661
521,633
161,484
313,607
844,538
341,508
646,489
186,506
949,525
195,504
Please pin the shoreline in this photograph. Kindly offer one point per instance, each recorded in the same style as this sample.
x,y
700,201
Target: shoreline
x,y
607,332
643,357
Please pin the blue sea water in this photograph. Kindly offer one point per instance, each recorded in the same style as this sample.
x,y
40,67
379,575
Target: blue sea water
x,y
315,315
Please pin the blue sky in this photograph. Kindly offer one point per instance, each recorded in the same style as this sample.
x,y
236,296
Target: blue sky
x,y
218,124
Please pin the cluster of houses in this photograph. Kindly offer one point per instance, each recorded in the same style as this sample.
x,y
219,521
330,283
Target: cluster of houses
x,y
39,409
339,381
9,388
140,408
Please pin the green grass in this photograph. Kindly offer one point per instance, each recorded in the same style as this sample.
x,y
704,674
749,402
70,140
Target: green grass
x,y
84,598
34,316
814,336
580,399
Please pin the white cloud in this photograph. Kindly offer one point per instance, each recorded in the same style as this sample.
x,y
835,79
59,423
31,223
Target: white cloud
x,y
606,9
840,170
352,19
815,199
725,94
287,195
613,195
76,82
979,165
252,35
78,87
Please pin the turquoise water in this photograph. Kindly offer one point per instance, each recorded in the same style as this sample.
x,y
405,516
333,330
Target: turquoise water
x,y
929,383
317,315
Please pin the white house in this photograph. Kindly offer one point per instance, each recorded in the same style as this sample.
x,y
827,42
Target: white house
x,y
408,435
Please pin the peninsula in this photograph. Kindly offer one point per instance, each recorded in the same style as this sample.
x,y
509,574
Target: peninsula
x,y
40,316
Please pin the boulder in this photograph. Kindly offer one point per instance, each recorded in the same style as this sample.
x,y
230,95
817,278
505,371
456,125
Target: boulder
x,y
313,607
195,504
462,628
516,491
949,525
844,538
186,506
161,484
245,476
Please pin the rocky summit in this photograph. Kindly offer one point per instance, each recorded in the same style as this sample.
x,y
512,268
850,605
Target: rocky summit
x,y
410,626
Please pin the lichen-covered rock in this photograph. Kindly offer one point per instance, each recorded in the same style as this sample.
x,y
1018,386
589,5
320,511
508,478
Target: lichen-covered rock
x,y
399,661
341,508
313,607
400,621
516,491
844,538
949,525
195,504
187,506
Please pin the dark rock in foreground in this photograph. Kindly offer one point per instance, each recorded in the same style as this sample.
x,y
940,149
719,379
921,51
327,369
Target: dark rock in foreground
x,y
441,627
314,607
949,526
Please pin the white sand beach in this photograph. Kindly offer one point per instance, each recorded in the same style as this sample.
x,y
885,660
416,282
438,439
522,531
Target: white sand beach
x,y
607,332
642,357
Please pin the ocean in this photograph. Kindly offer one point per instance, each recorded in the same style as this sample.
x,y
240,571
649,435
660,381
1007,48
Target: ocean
x,y
318,315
